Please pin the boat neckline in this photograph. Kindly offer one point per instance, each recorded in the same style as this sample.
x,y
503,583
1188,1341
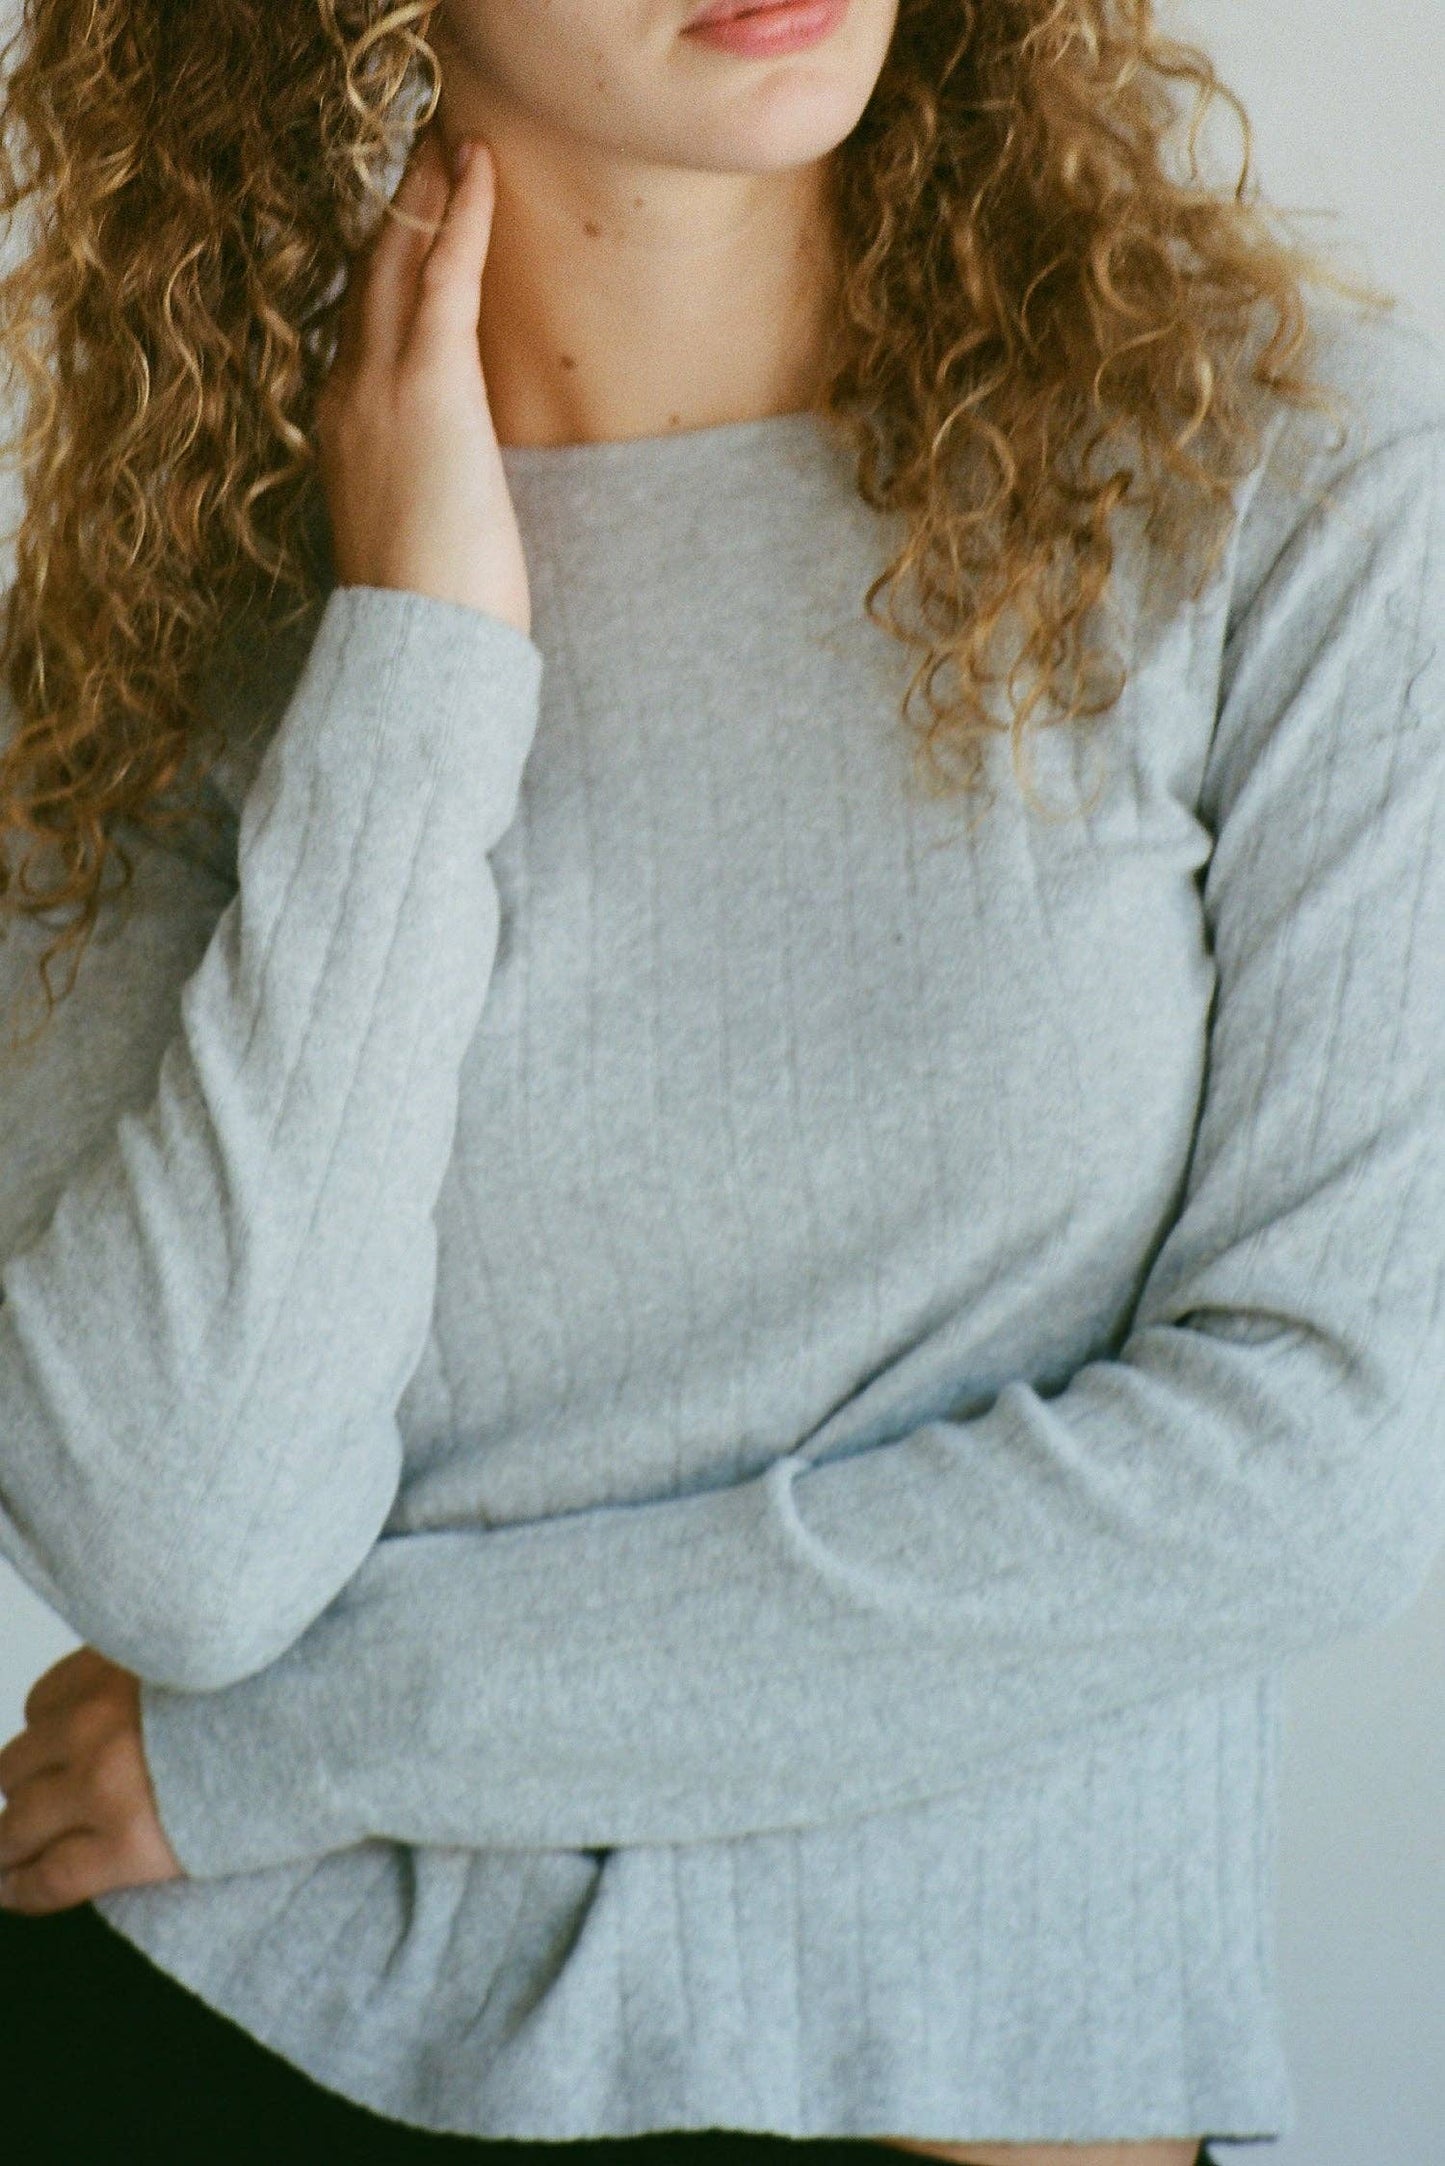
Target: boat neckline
x,y
674,444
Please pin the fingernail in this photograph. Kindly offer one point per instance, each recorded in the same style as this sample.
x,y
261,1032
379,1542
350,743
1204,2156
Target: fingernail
x,y
462,157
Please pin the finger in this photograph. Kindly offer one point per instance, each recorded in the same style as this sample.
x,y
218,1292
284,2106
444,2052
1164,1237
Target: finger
x,y
449,283
408,201
408,229
26,1754
70,1871
41,1811
66,1680
347,351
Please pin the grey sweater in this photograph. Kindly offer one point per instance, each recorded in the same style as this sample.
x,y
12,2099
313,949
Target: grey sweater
x,y
710,1399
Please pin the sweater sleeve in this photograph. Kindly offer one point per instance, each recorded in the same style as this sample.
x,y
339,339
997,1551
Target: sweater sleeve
x,y
219,1160
1258,1470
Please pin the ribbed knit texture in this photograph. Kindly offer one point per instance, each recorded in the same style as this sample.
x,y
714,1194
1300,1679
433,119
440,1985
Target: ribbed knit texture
x,y
711,1392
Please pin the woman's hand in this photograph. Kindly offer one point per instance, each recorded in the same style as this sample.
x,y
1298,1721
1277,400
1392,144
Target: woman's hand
x,y
80,1813
416,493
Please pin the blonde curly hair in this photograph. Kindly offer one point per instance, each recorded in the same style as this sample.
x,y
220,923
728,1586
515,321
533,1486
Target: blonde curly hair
x,y
1024,284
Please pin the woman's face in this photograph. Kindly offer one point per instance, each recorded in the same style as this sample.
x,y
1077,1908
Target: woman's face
x,y
621,79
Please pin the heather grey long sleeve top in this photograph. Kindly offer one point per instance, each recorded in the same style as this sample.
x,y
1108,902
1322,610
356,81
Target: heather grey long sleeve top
x,y
709,1399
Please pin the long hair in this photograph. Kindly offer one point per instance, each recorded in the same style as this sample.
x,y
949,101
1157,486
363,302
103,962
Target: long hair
x,y
1024,284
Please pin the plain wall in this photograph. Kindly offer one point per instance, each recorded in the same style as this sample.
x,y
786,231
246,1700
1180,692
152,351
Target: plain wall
x,y
1347,105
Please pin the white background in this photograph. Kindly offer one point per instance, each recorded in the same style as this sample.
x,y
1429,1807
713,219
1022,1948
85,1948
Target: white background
x,y
1347,105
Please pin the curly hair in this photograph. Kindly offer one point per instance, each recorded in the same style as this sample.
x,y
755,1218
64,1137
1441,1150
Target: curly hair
x,y
1023,283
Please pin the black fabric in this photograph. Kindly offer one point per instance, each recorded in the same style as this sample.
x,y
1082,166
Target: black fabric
x,y
108,2061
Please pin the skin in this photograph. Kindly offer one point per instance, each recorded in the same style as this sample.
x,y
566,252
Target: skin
x,y
660,256
80,1813
659,259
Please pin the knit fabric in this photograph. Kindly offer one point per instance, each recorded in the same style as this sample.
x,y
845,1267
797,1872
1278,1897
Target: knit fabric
x,y
712,1391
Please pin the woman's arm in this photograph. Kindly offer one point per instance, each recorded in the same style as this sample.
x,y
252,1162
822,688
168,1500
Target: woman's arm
x,y
219,1162
1260,1469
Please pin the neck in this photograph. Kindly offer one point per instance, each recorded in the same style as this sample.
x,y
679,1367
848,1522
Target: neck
x,y
597,326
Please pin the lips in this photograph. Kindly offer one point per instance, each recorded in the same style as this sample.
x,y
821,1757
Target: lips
x,y
723,11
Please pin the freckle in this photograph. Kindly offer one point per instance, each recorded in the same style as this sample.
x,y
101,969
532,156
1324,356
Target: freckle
x,y
673,420
637,203
568,362
590,227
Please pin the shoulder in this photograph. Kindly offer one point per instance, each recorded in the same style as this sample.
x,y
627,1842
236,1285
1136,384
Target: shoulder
x,y
1391,366
1383,444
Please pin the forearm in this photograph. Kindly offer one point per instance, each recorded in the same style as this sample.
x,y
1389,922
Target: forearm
x,y
202,1349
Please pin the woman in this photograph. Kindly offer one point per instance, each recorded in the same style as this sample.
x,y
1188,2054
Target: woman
x,y
692,1396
